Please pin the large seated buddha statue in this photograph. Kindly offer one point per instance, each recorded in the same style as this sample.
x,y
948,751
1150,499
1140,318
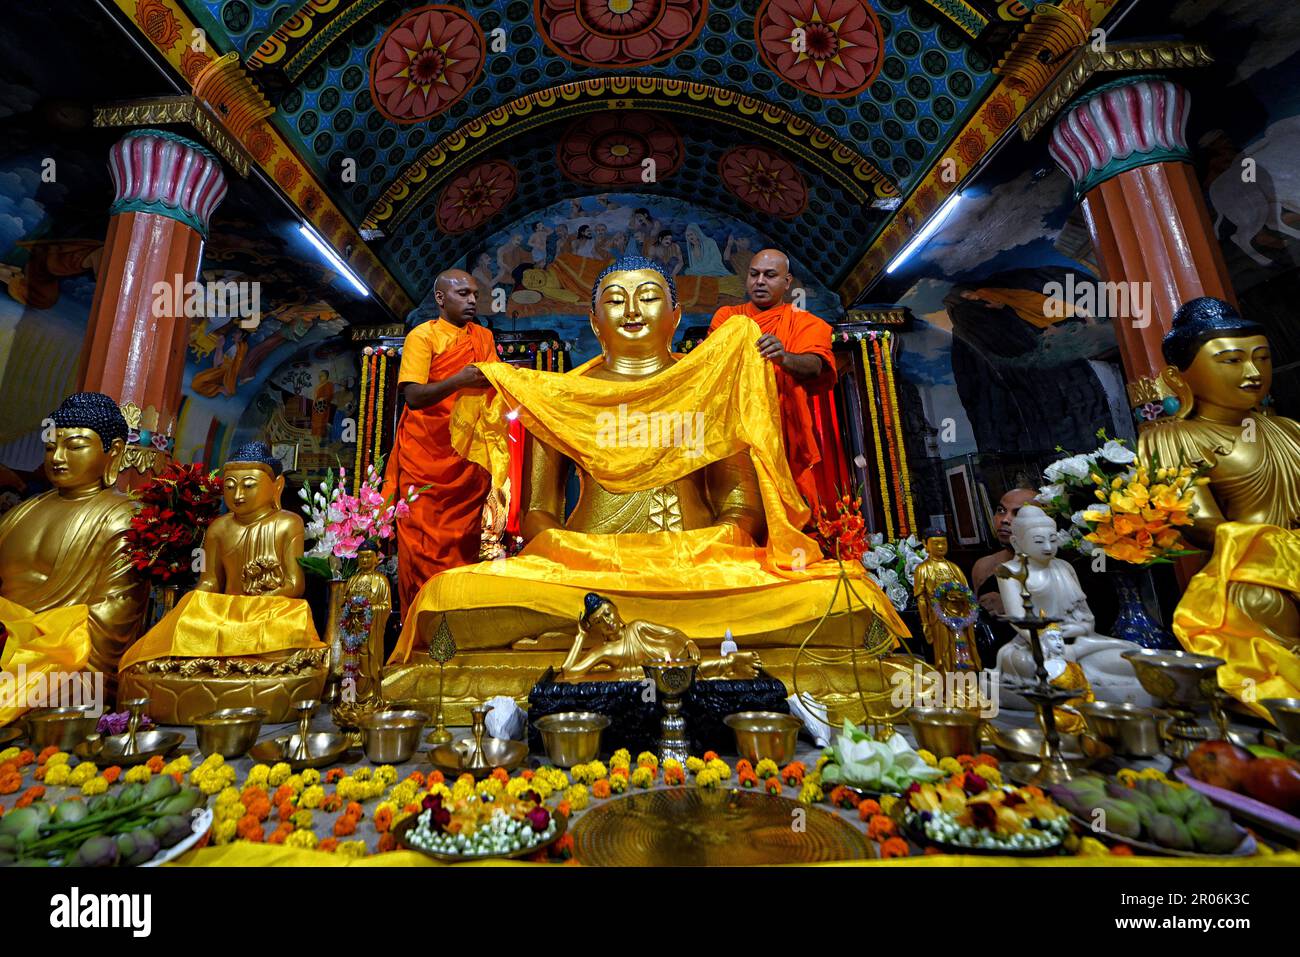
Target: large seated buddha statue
x,y
69,598
688,515
1242,606
244,636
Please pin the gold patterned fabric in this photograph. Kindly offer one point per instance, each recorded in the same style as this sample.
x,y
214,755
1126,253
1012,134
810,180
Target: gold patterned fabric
x,y
209,625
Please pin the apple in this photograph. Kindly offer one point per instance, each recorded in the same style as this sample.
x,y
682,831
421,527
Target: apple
x,y
1275,781
1220,763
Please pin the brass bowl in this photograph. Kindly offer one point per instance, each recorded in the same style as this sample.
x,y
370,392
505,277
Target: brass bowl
x,y
1286,715
1128,728
945,732
229,732
1180,678
64,728
450,759
1026,744
323,748
12,733
391,737
572,737
764,734
111,749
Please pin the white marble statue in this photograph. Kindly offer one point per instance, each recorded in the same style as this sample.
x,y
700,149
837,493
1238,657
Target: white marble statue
x,y
1055,592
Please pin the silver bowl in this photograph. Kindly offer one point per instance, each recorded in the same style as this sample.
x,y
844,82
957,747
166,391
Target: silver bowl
x,y
1179,678
64,728
764,734
571,737
1286,715
391,737
1129,728
229,732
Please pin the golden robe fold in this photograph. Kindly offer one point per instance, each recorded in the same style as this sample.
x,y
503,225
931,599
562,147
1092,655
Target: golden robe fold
x,y
46,643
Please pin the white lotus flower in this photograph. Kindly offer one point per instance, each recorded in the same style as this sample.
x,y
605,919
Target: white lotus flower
x,y
1115,451
871,560
876,539
888,554
888,577
899,595
1049,492
1074,466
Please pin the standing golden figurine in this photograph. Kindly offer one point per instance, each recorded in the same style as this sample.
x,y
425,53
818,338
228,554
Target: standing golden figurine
x,y
371,584
68,594
953,650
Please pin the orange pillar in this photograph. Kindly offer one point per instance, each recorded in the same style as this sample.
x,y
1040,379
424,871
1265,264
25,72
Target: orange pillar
x,y
166,188
1124,145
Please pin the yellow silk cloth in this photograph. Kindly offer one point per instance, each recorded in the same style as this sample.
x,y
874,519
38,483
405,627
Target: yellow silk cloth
x,y
1208,623
701,581
208,625
47,643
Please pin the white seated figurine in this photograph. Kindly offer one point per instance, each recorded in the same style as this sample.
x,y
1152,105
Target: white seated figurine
x,y
1054,591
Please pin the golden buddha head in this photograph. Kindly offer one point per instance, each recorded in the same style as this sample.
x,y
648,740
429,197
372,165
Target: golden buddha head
x,y
252,482
936,543
600,617
634,308
367,559
85,441
768,279
1222,358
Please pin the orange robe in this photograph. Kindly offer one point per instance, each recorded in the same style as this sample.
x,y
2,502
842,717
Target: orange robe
x,y
802,333
443,528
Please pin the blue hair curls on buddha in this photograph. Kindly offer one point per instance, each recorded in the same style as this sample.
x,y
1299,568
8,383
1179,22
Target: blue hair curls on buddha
x,y
632,264
94,411
1199,320
256,453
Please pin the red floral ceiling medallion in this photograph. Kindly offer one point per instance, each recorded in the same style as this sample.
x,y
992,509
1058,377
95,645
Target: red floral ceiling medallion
x,y
829,48
425,62
762,179
476,195
610,149
619,33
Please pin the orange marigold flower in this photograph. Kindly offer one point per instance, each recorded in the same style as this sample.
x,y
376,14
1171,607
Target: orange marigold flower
x,y
621,772
501,774
111,774
46,753
792,774
418,778
867,807
881,827
600,789
1122,850
710,756
278,836
564,808
411,808
25,757
986,759
387,842
10,782
30,795
328,845
156,764
331,803
345,826
526,774
249,794
259,808
672,777
354,810
178,777
39,774
284,810
282,794
333,775
747,779
966,760
1034,791
9,767
773,785
249,828
383,820
843,797
893,847
743,765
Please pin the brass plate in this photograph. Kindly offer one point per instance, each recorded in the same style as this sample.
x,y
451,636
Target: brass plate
x,y
499,752
10,734
693,827
403,826
109,752
325,748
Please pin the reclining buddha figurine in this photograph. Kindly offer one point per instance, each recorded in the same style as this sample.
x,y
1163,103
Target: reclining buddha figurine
x,y
244,636
687,516
1054,591
620,648
1242,606
69,597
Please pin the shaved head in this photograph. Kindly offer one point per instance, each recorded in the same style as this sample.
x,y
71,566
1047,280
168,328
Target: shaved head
x,y
768,279
456,293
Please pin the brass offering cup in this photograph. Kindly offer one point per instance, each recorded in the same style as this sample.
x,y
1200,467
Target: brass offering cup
x,y
229,732
64,728
764,734
945,732
391,737
571,737
1286,715
1129,728
1185,682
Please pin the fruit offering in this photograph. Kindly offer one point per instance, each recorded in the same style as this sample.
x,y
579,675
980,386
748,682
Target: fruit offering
x,y
483,825
1173,817
108,830
1262,773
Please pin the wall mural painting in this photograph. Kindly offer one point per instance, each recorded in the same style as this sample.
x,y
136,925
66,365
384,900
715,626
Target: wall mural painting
x,y
543,266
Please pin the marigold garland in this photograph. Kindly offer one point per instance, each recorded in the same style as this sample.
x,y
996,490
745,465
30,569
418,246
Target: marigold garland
x,y
868,373
898,430
361,439
379,413
891,438
370,418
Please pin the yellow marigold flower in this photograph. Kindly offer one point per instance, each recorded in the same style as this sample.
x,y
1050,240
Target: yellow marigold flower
x,y
580,774
311,797
403,794
351,849
259,776
1127,776
58,775
489,786
389,806
597,770
8,754
722,767
295,781
363,773
278,774
460,790
82,773
887,803
989,774
928,757
766,768
58,757
542,785
821,763
96,785
621,757
301,818
228,795
646,759
578,797
300,839
386,773
708,778
140,774
223,831
617,784
643,776
810,793
1091,847
949,766
515,787
310,777
695,765
444,792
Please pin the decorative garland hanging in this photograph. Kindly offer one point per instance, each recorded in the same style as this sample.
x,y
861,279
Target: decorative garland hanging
x,y
875,436
898,431
891,440
379,416
361,439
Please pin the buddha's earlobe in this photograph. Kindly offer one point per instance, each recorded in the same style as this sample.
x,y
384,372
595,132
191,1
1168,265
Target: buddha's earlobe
x,y
113,468
279,490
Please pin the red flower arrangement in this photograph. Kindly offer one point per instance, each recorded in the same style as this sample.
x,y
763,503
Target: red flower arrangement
x,y
175,510
843,537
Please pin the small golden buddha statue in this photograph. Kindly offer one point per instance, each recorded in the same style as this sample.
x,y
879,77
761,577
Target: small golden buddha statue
x,y
244,636
1063,673
952,651
622,647
373,585
254,549
1242,605
67,546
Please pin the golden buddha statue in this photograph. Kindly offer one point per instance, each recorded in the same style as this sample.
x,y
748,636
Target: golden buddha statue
x,y
621,648
244,636
67,549
1063,673
952,651
688,513
373,585
1242,605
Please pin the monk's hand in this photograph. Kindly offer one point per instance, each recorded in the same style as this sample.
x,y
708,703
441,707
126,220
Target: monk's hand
x,y
770,347
473,378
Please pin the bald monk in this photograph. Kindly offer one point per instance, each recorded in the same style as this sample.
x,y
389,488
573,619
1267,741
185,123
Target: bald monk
x,y
798,344
982,576
443,528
